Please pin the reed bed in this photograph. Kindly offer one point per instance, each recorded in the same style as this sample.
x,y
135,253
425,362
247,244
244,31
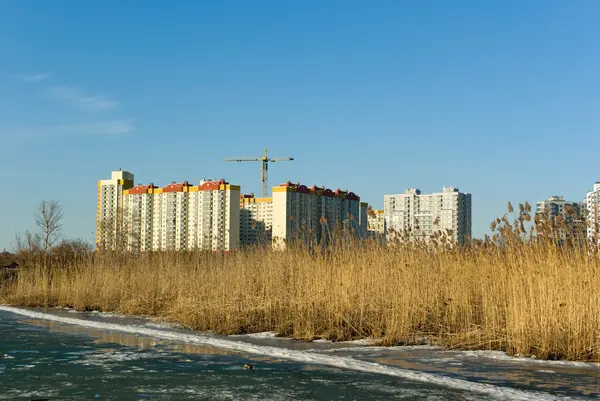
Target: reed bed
x,y
521,296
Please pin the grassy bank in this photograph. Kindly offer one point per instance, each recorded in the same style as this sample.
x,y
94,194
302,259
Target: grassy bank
x,y
524,298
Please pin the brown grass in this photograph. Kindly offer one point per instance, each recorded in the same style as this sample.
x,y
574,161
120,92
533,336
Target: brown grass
x,y
512,292
529,299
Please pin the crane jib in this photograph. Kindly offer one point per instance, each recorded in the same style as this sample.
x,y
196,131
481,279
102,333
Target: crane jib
x,y
264,168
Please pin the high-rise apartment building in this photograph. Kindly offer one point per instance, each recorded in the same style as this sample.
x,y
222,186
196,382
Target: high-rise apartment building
x,y
376,223
214,216
556,206
571,216
138,217
109,208
169,217
313,214
363,220
256,220
421,215
592,202
175,217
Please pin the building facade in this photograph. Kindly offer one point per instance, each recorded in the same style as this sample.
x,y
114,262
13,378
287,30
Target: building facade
x,y
314,214
561,220
417,216
363,220
169,217
256,220
138,217
175,217
556,206
592,203
376,223
214,216
110,208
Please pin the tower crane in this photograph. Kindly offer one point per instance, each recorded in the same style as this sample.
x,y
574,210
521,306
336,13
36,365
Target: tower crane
x,y
265,166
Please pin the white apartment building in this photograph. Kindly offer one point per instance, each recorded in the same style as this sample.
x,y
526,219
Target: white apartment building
x,y
109,208
557,206
256,220
571,214
313,214
214,216
592,202
170,217
421,215
176,217
138,217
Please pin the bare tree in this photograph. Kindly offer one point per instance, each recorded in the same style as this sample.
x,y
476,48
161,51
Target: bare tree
x,y
29,242
120,234
48,218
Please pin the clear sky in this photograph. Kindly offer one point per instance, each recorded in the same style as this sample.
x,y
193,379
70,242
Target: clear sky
x,y
498,98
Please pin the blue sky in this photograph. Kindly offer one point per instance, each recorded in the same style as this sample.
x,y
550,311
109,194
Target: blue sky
x,y
499,98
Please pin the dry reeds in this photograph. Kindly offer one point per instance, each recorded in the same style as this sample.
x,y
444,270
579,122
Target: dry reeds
x,y
522,293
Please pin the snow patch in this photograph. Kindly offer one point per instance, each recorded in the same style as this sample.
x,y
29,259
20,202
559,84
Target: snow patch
x,y
109,358
370,348
362,341
265,334
164,325
299,356
502,356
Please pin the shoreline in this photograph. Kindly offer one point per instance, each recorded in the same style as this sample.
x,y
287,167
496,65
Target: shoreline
x,y
527,299
353,345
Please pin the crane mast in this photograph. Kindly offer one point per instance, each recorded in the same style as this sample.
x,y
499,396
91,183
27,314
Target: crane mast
x,y
264,172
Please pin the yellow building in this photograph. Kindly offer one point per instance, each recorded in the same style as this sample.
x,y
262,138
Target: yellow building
x,y
376,222
313,214
109,208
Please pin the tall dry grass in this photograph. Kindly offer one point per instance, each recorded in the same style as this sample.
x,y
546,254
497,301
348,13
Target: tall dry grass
x,y
522,296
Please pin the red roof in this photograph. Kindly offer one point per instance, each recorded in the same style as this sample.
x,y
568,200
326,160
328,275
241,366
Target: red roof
x,y
353,196
328,192
325,191
175,187
303,189
211,185
140,189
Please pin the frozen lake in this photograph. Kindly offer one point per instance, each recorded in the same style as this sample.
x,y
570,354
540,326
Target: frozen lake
x,y
67,355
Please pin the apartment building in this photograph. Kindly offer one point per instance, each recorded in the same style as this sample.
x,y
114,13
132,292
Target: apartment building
x,y
572,216
313,214
592,203
169,217
421,215
256,220
175,217
214,216
363,220
556,206
138,216
376,223
109,208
